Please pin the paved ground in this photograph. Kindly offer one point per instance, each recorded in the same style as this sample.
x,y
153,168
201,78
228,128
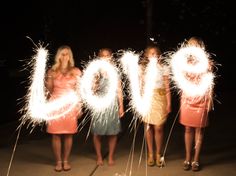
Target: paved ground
x,y
33,154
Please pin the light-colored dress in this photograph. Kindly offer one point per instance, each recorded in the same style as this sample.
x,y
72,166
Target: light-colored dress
x,y
67,124
157,114
107,122
194,111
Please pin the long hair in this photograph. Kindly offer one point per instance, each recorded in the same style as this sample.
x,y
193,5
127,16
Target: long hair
x,y
57,63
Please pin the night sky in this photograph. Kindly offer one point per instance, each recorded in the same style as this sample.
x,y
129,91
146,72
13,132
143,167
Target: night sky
x,y
89,25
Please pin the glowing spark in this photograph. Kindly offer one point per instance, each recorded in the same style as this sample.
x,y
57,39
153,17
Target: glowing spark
x,y
180,67
99,103
140,102
38,108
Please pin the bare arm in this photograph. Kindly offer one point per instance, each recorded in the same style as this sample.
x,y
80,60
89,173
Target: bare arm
x,y
210,105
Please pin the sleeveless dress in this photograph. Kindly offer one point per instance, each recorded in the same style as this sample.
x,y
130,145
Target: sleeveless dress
x,y
67,124
157,114
107,122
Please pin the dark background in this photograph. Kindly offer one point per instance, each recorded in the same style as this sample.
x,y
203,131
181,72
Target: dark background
x,y
89,25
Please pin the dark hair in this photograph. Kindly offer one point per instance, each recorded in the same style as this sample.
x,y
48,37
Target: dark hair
x,y
144,60
104,49
152,46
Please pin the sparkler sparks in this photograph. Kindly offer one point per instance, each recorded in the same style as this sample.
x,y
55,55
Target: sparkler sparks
x,y
37,107
191,61
140,99
100,102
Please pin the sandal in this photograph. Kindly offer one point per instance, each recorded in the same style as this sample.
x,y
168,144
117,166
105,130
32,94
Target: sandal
x,y
150,160
58,167
186,165
66,166
195,166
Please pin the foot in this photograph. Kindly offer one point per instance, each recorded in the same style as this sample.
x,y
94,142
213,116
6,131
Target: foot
x,y
66,166
186,165
159,161
195,166
150,160
111,162
99,162
58,167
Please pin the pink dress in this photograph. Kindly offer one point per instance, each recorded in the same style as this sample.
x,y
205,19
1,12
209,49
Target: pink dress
x,y
67,124
194,111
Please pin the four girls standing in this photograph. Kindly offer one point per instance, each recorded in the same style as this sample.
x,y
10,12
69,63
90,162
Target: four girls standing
x,y
63,77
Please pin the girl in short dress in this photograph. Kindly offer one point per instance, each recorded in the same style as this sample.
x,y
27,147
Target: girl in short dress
x,y
160,108
63,78
194,117
110,127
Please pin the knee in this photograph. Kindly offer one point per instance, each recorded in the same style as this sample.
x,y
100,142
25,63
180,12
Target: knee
x,y
159,129
188,130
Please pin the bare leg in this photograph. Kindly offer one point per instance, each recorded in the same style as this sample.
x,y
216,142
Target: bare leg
x,y
158,136
68,141
97,146
198,143
189,135
149,138
112,145
56,146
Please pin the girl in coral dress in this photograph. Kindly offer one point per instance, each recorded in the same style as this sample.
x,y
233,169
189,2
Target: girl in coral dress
x,y
62,79
194,116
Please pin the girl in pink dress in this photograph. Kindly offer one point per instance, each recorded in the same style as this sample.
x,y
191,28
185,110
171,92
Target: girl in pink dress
x,y
62,78
194,117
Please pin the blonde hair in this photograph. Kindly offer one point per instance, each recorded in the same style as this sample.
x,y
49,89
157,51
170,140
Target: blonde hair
x,y
71,62
196,41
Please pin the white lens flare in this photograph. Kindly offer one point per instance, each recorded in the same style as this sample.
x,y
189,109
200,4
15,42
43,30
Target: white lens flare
x,y
37,107
140,99
99,103
191,60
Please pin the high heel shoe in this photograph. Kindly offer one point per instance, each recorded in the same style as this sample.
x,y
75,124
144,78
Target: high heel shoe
x,y
186,165
150,160
159,161
195,166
